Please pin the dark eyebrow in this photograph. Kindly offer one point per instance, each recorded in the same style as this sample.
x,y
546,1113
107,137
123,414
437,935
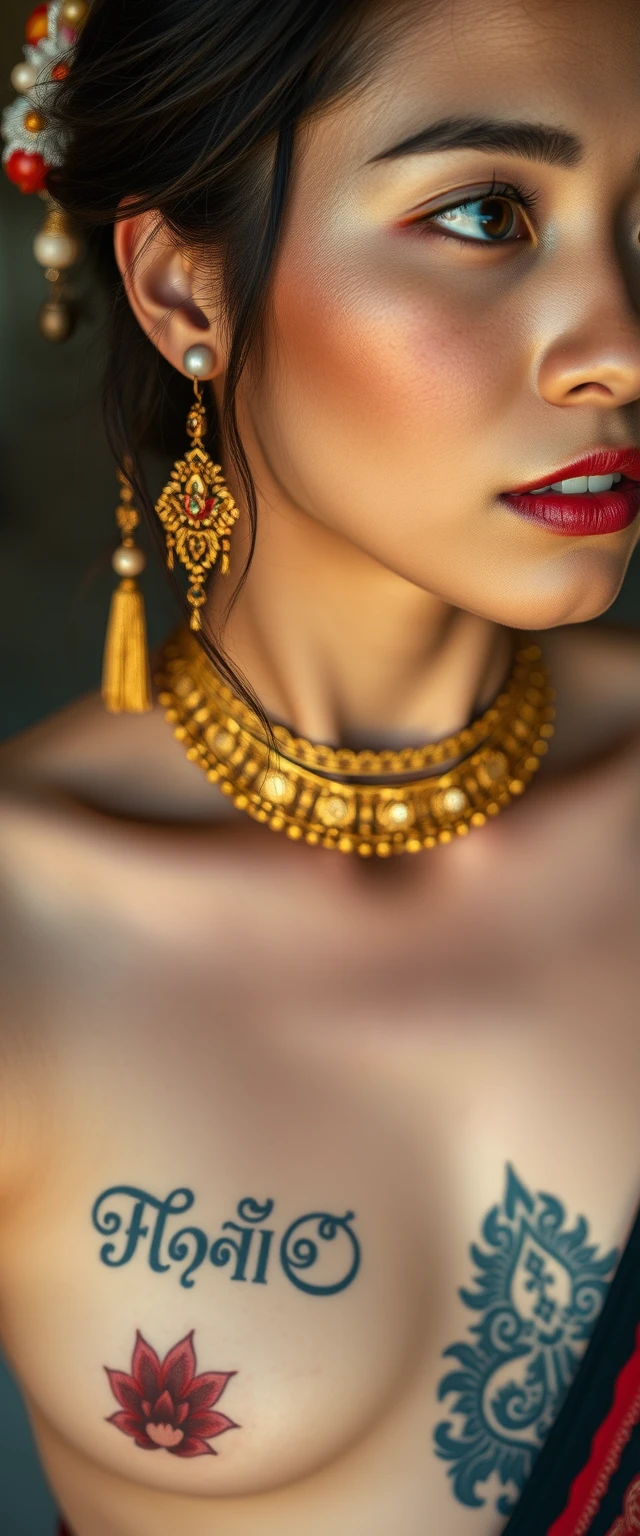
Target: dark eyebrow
x,y
531,141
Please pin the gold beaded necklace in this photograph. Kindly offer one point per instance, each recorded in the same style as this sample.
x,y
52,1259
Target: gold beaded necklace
x,y
329,797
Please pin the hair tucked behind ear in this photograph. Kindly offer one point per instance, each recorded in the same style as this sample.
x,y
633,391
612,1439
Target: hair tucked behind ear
x,y
189,107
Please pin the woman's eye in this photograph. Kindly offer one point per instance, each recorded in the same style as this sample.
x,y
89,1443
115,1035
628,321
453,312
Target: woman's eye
x,y
491,219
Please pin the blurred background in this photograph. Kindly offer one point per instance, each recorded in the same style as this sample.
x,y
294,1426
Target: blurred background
x,y
57,499
57,496
57,485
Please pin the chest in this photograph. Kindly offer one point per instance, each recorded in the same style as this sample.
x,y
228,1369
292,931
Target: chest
x,y
367,1182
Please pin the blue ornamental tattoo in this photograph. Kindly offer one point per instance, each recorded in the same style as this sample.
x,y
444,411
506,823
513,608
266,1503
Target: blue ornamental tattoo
x,y
538,1290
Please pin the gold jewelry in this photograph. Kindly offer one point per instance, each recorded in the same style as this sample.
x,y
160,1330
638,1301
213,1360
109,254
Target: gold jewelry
x,y
367,764
350,813
197,511
126,681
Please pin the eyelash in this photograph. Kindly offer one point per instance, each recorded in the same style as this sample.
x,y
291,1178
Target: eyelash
x,y
510,191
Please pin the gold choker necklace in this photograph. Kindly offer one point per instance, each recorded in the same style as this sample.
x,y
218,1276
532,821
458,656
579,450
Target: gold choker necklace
x,y
329,796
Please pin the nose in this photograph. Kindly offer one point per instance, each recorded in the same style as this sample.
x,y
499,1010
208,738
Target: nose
x,y
594,356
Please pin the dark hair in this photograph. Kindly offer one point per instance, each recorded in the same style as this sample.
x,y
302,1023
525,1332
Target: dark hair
x,y
189,107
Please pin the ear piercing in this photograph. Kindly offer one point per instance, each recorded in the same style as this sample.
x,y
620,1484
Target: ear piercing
x,y
198,362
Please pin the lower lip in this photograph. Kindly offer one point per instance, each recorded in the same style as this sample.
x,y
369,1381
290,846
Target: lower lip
x,y
596,513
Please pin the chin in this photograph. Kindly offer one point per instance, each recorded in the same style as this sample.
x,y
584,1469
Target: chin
x,y
584,589
578,587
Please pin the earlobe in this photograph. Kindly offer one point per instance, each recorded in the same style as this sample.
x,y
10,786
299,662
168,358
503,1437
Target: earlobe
x,y
159,286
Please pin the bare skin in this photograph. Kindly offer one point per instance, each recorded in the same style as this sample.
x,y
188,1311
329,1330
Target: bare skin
x,y
192,1002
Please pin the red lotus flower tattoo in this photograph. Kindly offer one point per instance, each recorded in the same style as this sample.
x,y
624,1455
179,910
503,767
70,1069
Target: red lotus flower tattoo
x,y
164,1405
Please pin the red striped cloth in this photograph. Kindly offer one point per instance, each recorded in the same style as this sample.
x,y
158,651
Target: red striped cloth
x,y
590,1486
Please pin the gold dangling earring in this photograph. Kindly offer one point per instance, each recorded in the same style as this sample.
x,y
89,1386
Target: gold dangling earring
x,y
126,680
196,508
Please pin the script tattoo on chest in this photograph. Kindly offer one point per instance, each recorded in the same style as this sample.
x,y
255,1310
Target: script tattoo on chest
x,y
539,1288
318,1252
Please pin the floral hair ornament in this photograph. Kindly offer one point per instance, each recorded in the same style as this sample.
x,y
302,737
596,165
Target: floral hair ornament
x,y
32,148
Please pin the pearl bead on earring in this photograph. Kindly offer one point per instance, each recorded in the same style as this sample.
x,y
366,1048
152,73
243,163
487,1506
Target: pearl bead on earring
x,y
198,362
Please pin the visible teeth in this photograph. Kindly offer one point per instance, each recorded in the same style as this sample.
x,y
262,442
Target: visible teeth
x,y
579,485
601,482
575,487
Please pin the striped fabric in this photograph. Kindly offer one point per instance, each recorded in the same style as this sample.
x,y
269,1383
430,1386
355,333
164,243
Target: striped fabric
x,y
586,1480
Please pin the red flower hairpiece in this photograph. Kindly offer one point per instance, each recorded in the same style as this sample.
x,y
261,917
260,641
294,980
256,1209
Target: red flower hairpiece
x,y
33,147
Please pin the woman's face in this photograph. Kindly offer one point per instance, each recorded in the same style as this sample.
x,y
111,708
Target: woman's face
x,y
452,323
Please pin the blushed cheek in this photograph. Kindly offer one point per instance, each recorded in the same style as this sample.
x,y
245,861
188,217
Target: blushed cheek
x,y
405,369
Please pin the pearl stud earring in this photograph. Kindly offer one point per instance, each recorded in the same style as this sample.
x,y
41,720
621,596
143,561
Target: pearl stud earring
x,y
198,362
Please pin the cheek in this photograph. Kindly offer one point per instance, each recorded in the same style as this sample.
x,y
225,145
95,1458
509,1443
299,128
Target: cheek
x,y
388,406
395,368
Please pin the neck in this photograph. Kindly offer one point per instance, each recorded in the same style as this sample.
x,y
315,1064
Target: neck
x,y
345,651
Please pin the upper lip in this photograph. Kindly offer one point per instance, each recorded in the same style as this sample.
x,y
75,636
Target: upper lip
x,y
603,461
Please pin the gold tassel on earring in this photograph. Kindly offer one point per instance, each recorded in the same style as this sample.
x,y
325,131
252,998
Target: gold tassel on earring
x,y
126,680
196,507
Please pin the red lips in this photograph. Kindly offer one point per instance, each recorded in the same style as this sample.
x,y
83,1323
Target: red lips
x,y
603,461
589,512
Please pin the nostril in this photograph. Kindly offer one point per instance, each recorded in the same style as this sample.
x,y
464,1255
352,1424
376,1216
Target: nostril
x,y
601,389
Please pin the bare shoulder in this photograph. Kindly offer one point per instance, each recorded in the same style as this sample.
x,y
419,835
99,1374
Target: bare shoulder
x,y
125,765
64,785
98,814
100,820
39,868
94,809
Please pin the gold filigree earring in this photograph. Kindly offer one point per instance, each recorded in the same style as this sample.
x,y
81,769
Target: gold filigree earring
x,y
196,508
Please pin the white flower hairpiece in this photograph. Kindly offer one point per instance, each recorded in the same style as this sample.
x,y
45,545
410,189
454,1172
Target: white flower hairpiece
x,y
32,147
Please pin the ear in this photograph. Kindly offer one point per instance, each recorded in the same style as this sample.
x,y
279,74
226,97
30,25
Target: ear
x,y
164,291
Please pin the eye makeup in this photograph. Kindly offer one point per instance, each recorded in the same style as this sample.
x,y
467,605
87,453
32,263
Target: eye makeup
x,y
500,210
